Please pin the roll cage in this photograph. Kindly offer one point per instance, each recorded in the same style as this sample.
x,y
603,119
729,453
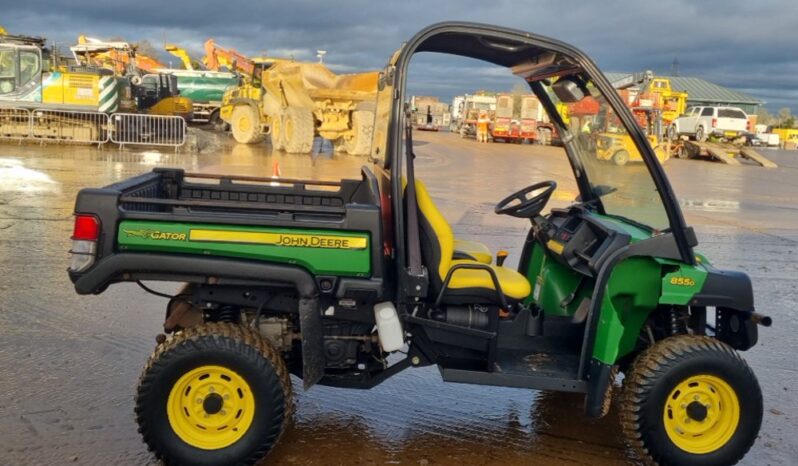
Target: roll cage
x,y
514,50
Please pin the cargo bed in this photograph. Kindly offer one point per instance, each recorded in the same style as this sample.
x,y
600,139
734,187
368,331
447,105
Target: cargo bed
x,y
330,228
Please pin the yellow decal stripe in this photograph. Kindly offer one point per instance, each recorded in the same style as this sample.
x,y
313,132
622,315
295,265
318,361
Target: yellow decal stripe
x,y
555,246
280,239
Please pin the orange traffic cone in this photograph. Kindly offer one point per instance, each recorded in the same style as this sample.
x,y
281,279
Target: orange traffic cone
x,y
275,173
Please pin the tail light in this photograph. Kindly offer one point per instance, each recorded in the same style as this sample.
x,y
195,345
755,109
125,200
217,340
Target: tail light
x,y
84,242
714,122
748,125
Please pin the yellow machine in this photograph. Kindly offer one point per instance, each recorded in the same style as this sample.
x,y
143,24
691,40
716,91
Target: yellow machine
x,y
620,149
29,74
788,137
672,103
184,57
293,102
147,90
33,77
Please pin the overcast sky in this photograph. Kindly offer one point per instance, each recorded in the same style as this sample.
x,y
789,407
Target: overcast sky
x,y
748,45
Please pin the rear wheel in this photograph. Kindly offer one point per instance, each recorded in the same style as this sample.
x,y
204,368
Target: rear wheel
x,y
214,394
691,400
245,125
362,128
298,129
277,134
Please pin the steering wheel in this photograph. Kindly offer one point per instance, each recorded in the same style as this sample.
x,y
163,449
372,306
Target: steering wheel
x,y
521,205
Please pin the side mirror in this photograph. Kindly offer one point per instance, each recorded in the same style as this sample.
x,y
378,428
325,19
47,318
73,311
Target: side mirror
x,y
568,90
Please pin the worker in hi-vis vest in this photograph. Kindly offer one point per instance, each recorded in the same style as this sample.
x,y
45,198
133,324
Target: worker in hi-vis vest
x,y
482,127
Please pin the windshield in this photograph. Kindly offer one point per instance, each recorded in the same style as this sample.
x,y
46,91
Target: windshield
x,y
611,161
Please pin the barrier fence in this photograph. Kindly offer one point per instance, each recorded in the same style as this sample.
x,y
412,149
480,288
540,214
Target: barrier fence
x,y
150,130
45,125
15,123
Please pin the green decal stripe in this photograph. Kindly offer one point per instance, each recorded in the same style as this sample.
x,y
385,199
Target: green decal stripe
x,y
324,252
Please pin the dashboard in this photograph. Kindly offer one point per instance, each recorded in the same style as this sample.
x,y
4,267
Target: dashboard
x,y
579,239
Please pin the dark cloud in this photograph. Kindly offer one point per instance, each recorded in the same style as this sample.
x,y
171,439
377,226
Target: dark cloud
x,y
751,46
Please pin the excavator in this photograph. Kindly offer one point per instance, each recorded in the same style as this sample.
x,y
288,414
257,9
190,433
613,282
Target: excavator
x,y
33,76
218,58
203,85
151,90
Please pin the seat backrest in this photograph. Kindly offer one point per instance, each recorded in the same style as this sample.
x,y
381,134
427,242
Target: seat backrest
x,y
437,238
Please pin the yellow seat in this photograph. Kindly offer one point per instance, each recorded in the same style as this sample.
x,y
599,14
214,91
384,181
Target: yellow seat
x,y
437,247
464,249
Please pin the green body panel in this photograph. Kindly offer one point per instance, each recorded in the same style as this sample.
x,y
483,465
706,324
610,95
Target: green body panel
x,y
637,286
681,282
633,291
204,86
553,283
135,235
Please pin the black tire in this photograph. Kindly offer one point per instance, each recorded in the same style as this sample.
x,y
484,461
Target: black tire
x,y
620,158
650,390
215,121
298,130
699,134
672,133
363,129
236,349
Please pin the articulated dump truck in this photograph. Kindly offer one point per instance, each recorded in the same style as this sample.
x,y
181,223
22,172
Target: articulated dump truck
x,y
293,102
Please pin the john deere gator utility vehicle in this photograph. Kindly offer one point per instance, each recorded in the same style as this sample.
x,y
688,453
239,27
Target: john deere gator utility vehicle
x,y
326,280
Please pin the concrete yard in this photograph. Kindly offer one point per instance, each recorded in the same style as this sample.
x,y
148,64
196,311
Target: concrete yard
x,y
69,364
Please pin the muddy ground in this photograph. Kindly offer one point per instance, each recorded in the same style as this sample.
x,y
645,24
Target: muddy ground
x,y
69,364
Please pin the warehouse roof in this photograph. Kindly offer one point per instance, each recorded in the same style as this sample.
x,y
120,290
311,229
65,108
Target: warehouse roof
x,y
701,89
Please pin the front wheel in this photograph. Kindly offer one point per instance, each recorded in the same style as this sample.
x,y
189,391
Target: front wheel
x,y
691,400
621,158
245,125
214,394
672,133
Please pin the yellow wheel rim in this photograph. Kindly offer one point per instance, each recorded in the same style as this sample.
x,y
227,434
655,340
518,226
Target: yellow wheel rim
x,y
701,414
243,123
210,407
276,128
288,128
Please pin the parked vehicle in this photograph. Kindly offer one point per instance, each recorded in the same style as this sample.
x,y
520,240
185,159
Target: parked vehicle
x,y
701,122
327,280
767,137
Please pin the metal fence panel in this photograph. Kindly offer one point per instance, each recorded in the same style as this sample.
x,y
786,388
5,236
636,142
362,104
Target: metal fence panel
x,y
69,126
14,123
148,130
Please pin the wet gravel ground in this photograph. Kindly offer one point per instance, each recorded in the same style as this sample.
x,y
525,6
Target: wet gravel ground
x,y
69,364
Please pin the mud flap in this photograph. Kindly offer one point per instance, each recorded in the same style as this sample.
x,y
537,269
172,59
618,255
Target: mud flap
x,y
313,360
600,378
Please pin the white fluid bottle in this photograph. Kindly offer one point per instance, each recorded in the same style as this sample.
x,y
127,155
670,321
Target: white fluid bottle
x,y
389,328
